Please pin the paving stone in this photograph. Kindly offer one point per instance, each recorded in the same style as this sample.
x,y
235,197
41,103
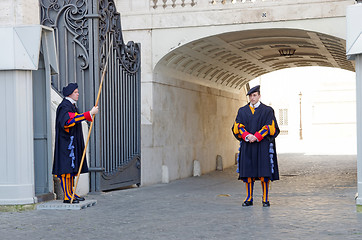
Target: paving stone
x,y
314,199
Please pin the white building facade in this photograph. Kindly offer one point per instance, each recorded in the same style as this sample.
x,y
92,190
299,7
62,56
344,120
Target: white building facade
x,y
197,58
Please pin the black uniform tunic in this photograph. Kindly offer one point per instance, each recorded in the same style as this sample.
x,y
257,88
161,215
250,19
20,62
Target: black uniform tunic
x,y
257,159
69,143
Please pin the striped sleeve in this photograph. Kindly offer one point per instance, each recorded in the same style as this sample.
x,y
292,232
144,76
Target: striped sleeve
x,y
240,131
265,130
76,118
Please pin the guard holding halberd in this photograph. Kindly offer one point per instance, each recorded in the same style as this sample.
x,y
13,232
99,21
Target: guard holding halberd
x,y
69,142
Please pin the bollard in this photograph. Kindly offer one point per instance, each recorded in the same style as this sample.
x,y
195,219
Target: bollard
x,y
219,165
165,176
197,169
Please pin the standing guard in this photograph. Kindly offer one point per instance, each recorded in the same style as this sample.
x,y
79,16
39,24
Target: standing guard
x,y
69,143
256,128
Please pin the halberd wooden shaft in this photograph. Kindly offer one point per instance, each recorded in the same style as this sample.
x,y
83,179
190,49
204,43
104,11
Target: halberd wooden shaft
x,y
93,117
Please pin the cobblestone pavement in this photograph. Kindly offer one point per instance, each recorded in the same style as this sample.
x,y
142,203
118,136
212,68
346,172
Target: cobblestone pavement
x,y
313,200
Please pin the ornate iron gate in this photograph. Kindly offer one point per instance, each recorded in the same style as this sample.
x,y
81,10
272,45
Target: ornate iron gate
x,y
84,30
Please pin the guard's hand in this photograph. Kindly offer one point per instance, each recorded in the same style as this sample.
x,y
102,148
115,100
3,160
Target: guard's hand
x,y
94,110
252,138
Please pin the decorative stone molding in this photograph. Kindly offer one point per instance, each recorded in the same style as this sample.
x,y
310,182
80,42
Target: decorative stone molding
x,y
172,3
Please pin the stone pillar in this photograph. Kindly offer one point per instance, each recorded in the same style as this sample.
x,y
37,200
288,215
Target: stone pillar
x,y
16,141
21,46
354,52
359,128
16,148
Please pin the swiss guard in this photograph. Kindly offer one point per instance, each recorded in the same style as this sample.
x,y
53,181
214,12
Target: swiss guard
x,y
256,128
69,143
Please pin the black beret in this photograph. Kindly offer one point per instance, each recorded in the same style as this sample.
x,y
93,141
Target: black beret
x,y
253,90
69,89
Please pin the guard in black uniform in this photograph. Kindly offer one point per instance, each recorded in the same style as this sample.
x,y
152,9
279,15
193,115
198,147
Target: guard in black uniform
x,y
69,142
256,128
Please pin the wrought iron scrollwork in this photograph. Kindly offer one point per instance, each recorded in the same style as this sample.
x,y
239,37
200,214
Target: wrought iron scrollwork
x,y
130,56
84,30
110,22
72,13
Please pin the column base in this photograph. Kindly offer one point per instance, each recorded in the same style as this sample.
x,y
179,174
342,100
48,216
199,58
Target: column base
x,y
21,194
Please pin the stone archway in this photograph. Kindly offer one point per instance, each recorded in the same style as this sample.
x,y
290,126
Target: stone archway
x,y
198,87
228,61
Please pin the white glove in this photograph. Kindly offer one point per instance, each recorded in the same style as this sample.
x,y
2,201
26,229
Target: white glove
x,y
94,110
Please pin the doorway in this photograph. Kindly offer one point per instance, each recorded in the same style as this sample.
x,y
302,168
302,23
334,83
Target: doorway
x,y
42,134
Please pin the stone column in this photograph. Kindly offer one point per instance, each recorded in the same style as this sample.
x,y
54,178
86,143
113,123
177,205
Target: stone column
x,y
16,139
20,72
359,128
354,52
16,148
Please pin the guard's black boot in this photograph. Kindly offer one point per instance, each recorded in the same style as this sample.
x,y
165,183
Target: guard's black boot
x,y
247,203
68,201
79,198
266,204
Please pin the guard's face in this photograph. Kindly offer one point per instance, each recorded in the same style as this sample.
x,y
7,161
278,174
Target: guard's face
x,y
254,98
75,95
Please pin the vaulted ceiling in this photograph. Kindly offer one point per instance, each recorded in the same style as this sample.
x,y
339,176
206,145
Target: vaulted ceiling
x,y
232,59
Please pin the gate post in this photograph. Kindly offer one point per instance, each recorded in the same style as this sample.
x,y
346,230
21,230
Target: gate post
x,y
83,31
29,62
359,129
354,52
95,166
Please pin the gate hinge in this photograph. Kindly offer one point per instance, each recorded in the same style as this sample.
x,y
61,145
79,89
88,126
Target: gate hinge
x,y
95,169
92,16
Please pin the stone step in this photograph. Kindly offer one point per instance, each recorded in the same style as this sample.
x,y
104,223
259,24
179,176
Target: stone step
x,y
59,205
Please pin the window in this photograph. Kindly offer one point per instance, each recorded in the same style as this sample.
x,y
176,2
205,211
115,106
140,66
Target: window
x,y
283,117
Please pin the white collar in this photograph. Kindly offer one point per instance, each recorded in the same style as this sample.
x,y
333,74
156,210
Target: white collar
x,y
70,100
255,105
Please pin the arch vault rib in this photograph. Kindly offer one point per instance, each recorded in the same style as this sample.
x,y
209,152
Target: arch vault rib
x,y
230,60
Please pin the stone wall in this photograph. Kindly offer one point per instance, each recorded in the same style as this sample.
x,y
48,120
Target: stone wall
x,y
190,122
20,12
